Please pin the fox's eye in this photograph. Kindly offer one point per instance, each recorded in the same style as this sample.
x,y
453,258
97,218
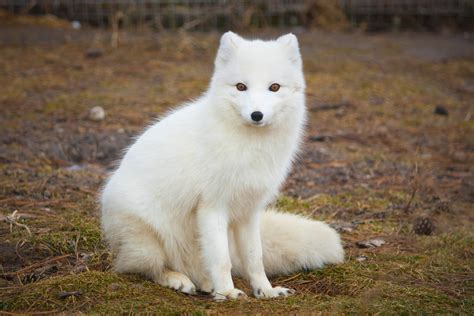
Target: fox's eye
x,y
274,87
241,87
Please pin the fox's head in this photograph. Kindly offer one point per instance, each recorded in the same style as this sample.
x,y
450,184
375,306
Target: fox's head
x,y
259,83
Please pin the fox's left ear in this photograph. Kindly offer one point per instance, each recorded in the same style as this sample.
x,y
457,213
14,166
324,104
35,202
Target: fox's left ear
x,y
290,43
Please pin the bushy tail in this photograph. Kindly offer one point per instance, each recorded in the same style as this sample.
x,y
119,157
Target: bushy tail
x,y
292,243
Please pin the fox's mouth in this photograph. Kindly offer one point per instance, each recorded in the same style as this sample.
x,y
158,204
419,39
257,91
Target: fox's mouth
x,y
258,124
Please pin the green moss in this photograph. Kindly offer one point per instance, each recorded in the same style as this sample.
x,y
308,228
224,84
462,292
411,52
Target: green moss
x,y
359,199
293,205
77,233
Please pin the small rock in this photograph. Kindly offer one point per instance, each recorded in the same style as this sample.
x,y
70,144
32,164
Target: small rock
x,y
74,168
371,243
94,53
85,256
344,227
423,226
79,269
340,113
114,286
441,110
76,25
64,295
361,258
97,113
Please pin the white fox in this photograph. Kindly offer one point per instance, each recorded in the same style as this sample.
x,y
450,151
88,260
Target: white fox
x,y
187,205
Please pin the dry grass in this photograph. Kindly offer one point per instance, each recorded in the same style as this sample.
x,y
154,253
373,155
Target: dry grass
x,y
384,160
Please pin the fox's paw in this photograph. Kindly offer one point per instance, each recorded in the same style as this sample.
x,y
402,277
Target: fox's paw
x,y
178,281
277,291
234,294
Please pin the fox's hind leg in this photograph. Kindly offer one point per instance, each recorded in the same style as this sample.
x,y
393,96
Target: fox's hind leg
x,y
139,249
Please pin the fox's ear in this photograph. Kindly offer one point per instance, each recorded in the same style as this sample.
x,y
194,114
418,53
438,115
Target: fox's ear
x,y
290,43
229,44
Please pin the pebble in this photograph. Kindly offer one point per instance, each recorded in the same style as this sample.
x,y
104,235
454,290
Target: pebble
x,y
344,227
361,258
76,25
97,113
74,168
371,243
114,286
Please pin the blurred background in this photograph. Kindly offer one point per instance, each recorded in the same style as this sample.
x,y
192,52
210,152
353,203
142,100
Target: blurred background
x,y
208,15
388,156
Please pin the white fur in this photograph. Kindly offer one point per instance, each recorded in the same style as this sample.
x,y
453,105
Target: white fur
x,y
186,204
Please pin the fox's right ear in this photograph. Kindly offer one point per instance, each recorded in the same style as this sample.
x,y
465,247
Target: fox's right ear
x,y
229,44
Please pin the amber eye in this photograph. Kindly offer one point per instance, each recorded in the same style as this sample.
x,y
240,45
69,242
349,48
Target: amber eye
x,y
274,87
241,87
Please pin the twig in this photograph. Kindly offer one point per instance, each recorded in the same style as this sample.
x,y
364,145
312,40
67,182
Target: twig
x,y
204,18
196,22
413,193
37,265
290,278
76,244
18,245
468,116
115,20
13,219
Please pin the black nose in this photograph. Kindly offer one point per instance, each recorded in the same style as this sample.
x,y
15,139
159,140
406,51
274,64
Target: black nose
x,y
256,116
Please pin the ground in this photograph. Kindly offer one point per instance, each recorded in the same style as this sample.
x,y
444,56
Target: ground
x,y
377,156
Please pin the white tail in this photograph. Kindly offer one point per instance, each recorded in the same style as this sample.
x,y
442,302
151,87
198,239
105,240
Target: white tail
x,y
292,243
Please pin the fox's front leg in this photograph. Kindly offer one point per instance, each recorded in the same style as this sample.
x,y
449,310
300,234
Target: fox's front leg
x,y
249,246
213,227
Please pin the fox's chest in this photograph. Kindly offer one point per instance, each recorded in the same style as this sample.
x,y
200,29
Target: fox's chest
x,y
246,170
247,177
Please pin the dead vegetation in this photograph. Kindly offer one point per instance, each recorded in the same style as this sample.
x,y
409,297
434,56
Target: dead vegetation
x,y
376,159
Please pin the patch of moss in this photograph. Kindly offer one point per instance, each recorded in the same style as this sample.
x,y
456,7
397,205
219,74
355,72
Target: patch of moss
x,y
359,199
289,204
78,233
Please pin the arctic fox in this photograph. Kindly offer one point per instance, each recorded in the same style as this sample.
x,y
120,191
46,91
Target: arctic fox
x,y
187,205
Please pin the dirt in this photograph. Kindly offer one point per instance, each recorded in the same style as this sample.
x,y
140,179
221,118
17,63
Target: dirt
x,y
376,158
